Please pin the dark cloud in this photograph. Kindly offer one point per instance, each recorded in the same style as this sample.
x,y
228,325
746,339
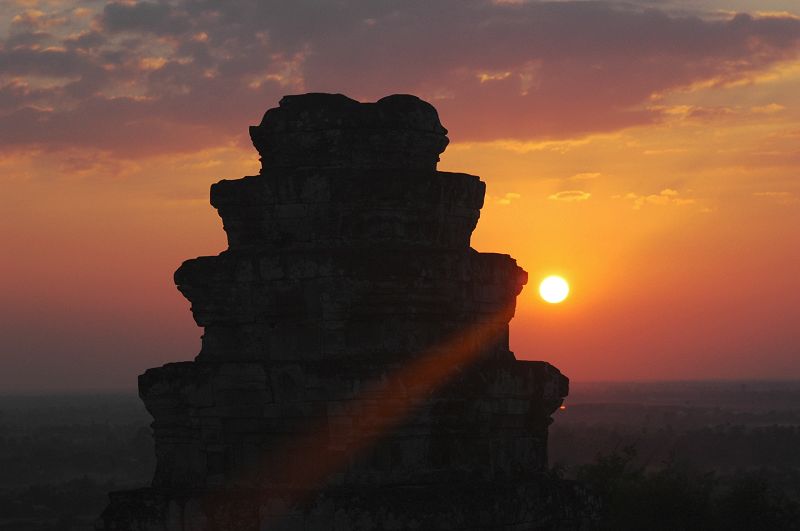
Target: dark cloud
x,y
42,62
85,41
34,20
190,73
27,38
145,17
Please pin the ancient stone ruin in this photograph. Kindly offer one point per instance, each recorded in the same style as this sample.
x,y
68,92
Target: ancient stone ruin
x,y
355,370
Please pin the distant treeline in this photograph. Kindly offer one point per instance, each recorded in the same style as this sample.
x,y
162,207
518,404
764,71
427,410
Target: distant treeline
x,y
653,466
68,506
61,455
685,456
676,497
722,448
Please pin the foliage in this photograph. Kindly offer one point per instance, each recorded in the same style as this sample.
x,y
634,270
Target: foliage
x,y
674,497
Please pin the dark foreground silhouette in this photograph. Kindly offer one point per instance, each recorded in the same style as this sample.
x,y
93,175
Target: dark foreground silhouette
x,y
726,460
354,370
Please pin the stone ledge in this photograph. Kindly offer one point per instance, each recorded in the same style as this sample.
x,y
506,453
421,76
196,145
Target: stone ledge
x,y
347,208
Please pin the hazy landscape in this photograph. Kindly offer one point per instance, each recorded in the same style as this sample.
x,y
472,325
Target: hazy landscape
x,y
689,450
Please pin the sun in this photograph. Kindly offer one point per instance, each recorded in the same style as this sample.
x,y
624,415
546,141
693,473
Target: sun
x,y
554,289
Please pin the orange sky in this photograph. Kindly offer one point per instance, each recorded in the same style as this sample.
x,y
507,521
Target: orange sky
x,y
648,152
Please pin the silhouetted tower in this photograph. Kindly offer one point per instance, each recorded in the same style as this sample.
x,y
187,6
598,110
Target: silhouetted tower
x,y
355,370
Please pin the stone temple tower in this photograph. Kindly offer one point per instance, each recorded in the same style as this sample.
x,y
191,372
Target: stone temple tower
x,y
355,370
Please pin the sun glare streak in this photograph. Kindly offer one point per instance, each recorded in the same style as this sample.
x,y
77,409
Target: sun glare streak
x,y
306,464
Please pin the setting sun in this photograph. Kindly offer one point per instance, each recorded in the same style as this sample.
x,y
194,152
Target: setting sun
x,y
554,289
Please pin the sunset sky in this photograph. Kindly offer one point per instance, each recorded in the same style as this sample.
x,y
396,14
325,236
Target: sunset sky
x,y
648,151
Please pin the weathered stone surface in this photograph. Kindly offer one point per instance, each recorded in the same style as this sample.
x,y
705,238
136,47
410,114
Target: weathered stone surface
x,y
340,207
354,370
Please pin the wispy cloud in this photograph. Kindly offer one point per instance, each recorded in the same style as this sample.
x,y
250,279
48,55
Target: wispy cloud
x,y
668,196
585,176
507,199
770,108
781,198
570,196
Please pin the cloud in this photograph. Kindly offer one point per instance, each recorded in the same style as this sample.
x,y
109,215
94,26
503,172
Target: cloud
x,y
770,108
36,20
699,113
570,196
190,73
144,17
585,176
710,113
507,198
781,198
668,196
